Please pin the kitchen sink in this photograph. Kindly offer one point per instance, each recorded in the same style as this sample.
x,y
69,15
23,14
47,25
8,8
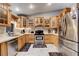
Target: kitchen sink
x,y
13,34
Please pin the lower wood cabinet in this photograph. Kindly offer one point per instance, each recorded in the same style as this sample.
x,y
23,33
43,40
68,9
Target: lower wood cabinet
x,y
21,42
29,38
51,39
3,49
48,39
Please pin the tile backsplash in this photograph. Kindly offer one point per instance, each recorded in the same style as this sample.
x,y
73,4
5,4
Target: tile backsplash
x,y
2,30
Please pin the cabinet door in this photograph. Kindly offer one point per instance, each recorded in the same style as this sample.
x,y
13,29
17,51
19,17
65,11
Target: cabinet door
x,y
4,49
47,23
31,23
31,38
36,21
27,38
55,40
24,39
39,21
54,22
21,42
48,39
51,39
24,22
5,15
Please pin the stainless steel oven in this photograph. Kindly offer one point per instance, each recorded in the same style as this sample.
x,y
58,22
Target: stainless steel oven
x,y
39,37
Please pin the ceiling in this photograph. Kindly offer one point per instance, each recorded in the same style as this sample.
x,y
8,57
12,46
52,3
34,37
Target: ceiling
x,y
38,7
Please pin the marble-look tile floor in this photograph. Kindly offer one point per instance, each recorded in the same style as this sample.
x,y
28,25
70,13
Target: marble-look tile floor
x,y
39,51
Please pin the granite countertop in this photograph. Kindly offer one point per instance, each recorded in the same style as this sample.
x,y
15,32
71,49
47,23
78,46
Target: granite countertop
x,y
5,38
51,33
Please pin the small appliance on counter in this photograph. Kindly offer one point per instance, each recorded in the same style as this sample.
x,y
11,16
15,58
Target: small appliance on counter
x,y
10,33
23,31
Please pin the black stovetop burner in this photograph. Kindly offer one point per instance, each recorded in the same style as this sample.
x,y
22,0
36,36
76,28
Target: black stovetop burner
x,y
39,32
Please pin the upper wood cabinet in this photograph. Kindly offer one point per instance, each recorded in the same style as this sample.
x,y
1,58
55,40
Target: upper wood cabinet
x,y
30,22
22,22
25,22
47,23
39,21
5,14
14,17
65,11
54,22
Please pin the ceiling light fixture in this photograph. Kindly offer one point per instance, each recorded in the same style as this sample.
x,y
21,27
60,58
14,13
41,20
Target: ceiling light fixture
x,y
31,6
49,4
17,9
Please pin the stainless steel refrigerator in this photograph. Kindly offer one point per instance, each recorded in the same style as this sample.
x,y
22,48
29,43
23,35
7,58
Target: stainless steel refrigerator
x,y
68,35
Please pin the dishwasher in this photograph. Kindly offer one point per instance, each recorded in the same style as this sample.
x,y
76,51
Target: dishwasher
x,y
12,47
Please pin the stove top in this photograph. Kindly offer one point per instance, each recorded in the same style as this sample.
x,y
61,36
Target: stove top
x,y
39,32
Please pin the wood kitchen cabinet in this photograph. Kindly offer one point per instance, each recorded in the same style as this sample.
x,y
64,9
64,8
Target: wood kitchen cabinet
x,y
39,21
65,11
30,23
47,23
51,39
48,39
14,17
3,49
5,14
54,22
21,42
22,22
30,38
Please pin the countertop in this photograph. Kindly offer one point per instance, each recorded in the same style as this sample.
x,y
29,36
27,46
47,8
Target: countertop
x,y
5,38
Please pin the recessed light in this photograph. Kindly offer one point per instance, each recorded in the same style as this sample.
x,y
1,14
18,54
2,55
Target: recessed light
x,y
17,9
49,4
31,6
